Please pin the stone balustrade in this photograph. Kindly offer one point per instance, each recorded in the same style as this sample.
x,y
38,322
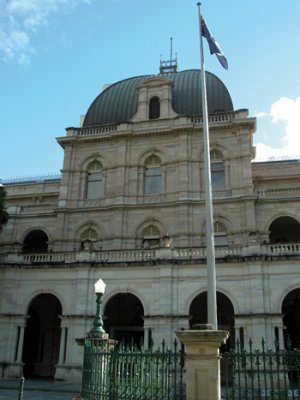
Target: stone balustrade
x,y
140,256
104,129
281,249
277,192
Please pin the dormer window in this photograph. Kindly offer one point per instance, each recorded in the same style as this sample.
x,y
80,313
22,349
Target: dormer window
x,y
154,108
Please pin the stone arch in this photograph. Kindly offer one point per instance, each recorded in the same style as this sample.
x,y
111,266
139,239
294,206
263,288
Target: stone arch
x,y
220,220
150,221
90,232
148,153
152,179
215,147
124,317
86,161
127,289
284,229
35,241
277,215
283,295
42,336
225,311
290,309
141,232
219,172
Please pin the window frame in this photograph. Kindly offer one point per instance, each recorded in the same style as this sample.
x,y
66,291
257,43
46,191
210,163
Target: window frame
x,y
154,108
153,178
217,171
94,181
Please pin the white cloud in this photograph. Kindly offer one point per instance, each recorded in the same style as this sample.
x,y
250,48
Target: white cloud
x,y
260,115
286,111
21,19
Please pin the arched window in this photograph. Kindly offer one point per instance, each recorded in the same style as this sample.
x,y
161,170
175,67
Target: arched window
x,y
154,108
88,237
151,237
220,234
152,175
217,170
35,242
89,234
94,188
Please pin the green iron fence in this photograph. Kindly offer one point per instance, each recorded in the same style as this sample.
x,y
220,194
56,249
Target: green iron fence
x,y
269,374
132,372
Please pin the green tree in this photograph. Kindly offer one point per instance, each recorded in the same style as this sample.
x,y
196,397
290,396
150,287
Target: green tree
x,y
3,213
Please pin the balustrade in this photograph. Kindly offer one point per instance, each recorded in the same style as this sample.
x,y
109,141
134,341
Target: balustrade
x,y
134,256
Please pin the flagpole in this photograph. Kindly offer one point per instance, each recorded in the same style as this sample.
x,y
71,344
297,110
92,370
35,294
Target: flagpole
x,y
210,243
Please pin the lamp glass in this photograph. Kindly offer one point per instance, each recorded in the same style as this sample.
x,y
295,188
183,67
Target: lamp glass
x,y
100,286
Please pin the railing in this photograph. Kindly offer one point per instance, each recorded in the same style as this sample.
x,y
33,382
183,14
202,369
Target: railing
x,y
125,255
140,256
277,192
99,130
196,253
49,257
38,208
104,129
30,179
224,117
284,249
131,372
261,373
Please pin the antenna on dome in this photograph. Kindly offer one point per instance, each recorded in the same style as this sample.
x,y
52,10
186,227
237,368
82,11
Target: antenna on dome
x,y
171,65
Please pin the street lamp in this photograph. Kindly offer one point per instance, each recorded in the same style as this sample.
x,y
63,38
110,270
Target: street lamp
x,y
97,329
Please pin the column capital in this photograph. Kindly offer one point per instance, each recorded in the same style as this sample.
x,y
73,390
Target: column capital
x,y
191,338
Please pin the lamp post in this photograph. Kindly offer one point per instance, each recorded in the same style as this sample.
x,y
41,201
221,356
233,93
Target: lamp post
x,y
96,345
97,329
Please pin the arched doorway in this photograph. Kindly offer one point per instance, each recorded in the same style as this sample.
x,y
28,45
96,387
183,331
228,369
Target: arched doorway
x,y
291,319
123,318
42,337
225,317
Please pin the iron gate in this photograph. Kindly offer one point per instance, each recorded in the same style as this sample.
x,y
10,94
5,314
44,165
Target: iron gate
x,y
132,372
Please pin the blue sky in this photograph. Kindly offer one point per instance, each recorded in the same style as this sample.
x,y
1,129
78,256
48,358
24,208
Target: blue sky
x,y
55,55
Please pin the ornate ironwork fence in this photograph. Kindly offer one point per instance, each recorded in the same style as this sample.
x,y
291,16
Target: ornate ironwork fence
x,y
269,374
132,373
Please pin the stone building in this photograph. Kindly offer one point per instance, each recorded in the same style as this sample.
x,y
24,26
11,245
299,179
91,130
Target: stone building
x,y
129,207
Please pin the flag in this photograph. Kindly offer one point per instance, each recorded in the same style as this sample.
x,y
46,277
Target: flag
x,y
213,44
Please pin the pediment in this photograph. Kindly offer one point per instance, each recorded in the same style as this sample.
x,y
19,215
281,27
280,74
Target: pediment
x,y
156,81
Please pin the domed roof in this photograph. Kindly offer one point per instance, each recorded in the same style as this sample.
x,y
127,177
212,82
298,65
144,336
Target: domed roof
x,y
119,102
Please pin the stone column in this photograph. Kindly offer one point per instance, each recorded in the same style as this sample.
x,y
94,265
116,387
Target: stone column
x,y
62,348
203,362
20,343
